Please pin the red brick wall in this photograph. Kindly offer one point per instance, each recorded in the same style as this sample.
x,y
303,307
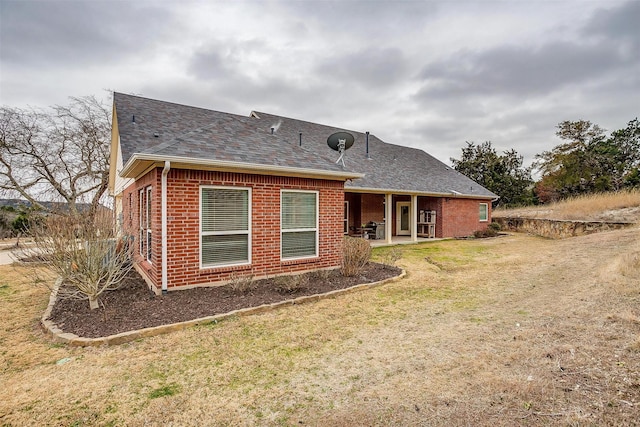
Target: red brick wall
x,y
460,217
372,208
131,221
183,246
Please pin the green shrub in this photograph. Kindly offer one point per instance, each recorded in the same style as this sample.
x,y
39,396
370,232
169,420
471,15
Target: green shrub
x,y
356,253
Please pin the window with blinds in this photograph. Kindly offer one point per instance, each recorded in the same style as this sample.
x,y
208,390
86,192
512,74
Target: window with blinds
x,y
299,224
141,212
144,238
225,237
148,224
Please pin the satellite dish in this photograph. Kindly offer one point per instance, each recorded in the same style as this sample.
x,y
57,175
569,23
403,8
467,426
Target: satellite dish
x,y
340,142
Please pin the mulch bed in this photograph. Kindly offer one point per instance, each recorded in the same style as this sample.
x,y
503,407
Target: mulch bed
x,y
133,306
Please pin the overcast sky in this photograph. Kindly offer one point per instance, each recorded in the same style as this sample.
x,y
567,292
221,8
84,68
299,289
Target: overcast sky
x,y
427,74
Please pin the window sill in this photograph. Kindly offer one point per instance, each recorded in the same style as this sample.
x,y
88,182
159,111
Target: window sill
x,y
307,260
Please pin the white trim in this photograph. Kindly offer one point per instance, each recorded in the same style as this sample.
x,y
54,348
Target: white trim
x,y
293,230
399,231
369,190
413,219
141,211
210,233
487,212
163,221
346,217
388,216
149,235
235,166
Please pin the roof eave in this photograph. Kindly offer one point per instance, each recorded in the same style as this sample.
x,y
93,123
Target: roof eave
x,y
450,194
139,162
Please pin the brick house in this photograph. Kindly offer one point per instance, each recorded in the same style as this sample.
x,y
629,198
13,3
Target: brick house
x,y
207,195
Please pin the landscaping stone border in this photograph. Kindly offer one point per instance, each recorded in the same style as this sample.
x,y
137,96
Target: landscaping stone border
x,y
73,340
558,229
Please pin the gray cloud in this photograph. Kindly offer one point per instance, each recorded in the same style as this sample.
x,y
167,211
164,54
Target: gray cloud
x,y
620,24
38,33
373,67
372,19
428,74
517,71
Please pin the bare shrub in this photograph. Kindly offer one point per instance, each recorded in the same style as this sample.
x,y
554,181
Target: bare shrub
x,y
355,255
491,231
321,275
86,255
291,284
241,283
391,256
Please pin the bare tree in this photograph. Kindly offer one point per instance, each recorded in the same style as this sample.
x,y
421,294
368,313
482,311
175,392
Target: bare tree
x,y
58,155
88,257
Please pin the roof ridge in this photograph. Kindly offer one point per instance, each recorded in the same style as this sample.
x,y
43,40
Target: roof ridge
x,y
303,121
179,104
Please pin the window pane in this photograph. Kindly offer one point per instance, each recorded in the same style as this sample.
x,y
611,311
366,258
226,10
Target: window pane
x,y
484,214
298,244
148,245
227,249
148,208
225,210
298,210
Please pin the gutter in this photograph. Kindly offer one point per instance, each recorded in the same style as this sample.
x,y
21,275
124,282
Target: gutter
x,y
129,167
163,220
450,193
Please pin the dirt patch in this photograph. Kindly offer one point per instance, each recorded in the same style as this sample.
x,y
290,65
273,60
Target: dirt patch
x,y
133,306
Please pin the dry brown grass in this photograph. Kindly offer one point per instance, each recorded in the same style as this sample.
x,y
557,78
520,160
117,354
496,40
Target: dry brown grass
x,y
618,206
509,331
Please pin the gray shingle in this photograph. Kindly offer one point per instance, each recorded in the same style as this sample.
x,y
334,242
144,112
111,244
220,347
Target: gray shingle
x,y
161,128
389,166
154,127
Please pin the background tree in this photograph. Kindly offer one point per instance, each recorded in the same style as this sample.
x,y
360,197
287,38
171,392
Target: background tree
x,y
503,174
57,155
588,161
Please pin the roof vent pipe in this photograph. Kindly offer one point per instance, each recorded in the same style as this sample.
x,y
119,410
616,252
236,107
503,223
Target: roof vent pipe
x,y
300,139
272,129
367,143
133,119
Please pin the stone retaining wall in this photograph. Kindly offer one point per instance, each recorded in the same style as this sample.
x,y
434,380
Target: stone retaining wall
x,y
557,229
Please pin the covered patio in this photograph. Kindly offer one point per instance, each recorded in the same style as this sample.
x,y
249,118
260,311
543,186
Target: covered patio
x,y
412,217
401,240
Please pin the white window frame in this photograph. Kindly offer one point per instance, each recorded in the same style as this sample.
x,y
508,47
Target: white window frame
x,y
346,217
294,230
141,211
486,211
148,207
220,233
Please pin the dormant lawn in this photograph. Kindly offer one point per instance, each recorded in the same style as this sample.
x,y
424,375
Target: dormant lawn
x,y
515,330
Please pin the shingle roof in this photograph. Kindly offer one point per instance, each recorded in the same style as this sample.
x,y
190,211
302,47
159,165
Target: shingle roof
x,y
150,127
161,128
388,167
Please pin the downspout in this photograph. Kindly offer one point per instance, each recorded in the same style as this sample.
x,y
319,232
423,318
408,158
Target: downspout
x,y
163,220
